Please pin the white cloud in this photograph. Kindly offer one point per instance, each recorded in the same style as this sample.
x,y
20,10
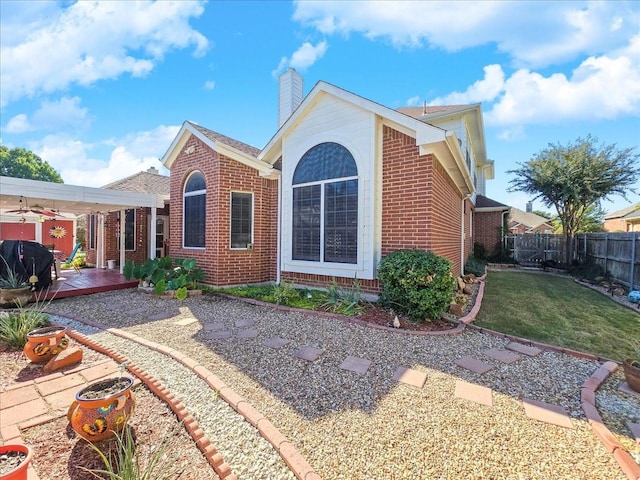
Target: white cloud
x,y
485,90
303,58
209,85
78,163
413,101
51,115
89,41
512,134
533,34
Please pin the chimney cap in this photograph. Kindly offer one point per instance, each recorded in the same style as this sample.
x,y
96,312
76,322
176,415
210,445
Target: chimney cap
x,y
153,170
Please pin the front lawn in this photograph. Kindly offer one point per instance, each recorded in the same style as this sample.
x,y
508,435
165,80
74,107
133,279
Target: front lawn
x,y
558,311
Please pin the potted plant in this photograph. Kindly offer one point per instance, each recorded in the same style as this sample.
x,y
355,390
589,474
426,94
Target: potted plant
x,y
45,343
14,290
14,461
631,367
102,408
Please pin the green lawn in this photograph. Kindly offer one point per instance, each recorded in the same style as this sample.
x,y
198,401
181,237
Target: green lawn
x,y
558,311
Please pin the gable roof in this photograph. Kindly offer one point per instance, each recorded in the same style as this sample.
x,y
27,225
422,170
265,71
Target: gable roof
x,y
429,138
227,146
419,112
528,219
623,213
142,182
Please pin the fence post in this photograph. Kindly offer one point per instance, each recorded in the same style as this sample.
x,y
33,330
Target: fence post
x,y
633,259
584,239
606,252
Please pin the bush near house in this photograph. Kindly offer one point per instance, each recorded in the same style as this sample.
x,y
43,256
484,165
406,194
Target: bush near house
x,y
165,273
416,283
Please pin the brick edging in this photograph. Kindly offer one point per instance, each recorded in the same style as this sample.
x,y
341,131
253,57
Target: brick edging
x,y
588,403
214,458
294,460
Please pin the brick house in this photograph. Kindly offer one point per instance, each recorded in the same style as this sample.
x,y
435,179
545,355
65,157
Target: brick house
x,y
490,218
625,220
528,222
342,183
135,222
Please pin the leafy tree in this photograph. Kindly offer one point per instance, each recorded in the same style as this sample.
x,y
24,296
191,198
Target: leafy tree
x,y
573,177
21,163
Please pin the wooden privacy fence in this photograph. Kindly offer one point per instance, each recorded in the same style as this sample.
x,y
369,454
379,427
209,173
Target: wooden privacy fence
x,y
617,253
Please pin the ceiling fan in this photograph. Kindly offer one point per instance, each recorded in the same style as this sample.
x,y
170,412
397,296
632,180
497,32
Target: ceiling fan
x,y
37,209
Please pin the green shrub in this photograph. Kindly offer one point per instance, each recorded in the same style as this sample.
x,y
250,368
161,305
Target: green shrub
x,y
474,265
416,283
15,324
284,293
164,274
344,300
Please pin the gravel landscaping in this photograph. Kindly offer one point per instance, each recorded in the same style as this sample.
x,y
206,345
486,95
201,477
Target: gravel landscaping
x,y
363,426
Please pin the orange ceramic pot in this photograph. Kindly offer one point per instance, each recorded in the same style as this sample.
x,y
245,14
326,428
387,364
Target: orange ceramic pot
x,y
102,408
45,343
19,472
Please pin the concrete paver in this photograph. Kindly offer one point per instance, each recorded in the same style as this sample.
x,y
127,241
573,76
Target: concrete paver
x,y
220,335
473,364
248,333
475,393
59,384
524,349
23,411
20,395
310,354
244,323
276,342
504,356
635,430
547,412
210,327
186,321
415,378
99,370
356,365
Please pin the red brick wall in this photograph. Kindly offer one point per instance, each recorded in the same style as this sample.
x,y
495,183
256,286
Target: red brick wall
x,y
421,207
221,265
487,230
323,281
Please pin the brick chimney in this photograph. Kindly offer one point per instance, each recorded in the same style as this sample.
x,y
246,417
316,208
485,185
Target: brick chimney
x,y
529,207
153,170
290,94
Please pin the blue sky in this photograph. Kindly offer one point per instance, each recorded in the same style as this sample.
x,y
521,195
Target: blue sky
x,y
99,89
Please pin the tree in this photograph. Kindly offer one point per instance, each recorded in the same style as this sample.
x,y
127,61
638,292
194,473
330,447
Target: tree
x,y
574,177
21,163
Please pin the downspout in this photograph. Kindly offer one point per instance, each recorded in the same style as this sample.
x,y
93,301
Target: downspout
x,y
464,199
278,229
122,239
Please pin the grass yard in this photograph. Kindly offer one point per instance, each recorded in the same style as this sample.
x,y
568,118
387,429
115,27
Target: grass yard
x,y
558,311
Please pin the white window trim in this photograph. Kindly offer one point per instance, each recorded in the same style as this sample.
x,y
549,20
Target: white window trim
x,y
192,194
252,218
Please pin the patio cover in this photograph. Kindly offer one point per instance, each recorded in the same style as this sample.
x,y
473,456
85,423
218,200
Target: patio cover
x,y
78,200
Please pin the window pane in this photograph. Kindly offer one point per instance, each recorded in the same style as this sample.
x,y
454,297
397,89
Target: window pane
x,y
325,161
194,219
92,231
306,223
341,222
130,229
195,183
241,219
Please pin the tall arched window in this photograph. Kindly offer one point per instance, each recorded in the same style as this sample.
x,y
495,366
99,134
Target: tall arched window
x,y
194,213
325,206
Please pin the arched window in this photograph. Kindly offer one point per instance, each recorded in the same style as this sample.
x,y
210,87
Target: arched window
x,y
194,213
325,206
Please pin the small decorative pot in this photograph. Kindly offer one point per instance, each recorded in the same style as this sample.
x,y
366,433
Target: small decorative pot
x,y
14,297
18,472
632,373
45,343
102,408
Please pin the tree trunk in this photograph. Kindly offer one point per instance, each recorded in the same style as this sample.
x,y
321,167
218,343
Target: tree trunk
x,y
568,248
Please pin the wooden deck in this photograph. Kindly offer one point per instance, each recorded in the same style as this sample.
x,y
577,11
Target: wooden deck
x,y
88,280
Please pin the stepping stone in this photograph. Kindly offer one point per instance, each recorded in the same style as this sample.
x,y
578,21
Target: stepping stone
x,y
245,323
520,348
310,354
186,321
635,430
249,333
473,364
624,387
138,311
161,316
504,356
222,335
415,378
546,412
209,327
355,364
276,342
474,393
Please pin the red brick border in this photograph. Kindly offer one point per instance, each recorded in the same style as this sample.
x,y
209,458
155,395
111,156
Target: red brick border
x,y
294,460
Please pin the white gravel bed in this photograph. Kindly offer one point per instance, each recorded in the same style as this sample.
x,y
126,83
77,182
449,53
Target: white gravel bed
x,y
351,426
247,453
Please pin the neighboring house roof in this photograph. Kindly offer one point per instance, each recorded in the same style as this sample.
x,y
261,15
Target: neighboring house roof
x,y
624,212
430,139
486,204
528,219
227,146
142,182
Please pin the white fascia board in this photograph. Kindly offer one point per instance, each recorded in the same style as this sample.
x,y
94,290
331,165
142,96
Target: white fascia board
x,y
491,209
177,145
263,168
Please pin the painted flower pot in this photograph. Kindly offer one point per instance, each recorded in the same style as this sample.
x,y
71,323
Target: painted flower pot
x,y
45,343
102,408
632,374
9,455
14,297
